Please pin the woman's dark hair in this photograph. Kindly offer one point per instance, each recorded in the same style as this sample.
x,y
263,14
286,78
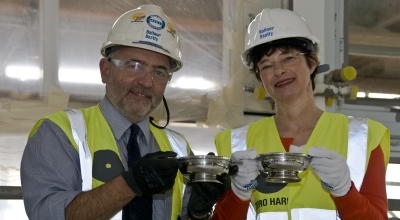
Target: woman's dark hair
x,y
268,49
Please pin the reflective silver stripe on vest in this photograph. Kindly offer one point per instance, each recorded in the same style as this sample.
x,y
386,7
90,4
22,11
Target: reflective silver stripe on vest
x,y
176,141
303,213
273,215
356,160
357,149
238,138
314,214
78,128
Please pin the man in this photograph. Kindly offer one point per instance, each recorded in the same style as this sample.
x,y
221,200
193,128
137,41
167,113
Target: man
x,y
80,164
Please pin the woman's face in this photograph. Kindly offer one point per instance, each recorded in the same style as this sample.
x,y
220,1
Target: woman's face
x,y
286,75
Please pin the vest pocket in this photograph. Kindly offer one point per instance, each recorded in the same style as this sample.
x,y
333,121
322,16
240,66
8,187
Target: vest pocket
x,y
106,165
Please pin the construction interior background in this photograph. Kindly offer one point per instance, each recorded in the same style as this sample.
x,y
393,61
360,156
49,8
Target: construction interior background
x,y
50,52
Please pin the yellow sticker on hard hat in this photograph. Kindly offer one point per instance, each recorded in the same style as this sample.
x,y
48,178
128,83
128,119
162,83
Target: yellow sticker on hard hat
x,y
153,36
171,29
138,17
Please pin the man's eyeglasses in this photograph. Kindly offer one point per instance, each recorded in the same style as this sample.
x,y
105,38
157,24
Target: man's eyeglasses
x,y
136,68
286,61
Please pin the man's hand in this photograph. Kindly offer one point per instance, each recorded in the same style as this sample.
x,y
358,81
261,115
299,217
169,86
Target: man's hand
x,y
245,181
205,195
152,174
332,169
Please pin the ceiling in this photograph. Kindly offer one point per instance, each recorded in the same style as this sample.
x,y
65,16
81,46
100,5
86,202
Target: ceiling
x,y
373,38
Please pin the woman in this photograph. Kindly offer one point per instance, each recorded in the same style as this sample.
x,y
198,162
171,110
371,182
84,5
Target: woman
x,y
346,176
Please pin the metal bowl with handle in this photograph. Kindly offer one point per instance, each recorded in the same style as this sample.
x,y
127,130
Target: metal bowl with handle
x,y
204,168
284,167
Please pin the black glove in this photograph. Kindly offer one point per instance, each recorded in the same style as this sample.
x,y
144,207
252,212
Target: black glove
x,y
152,174
205,195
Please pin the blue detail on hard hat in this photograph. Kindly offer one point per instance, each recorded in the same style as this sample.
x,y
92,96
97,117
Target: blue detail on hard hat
x,y
266,32
155,22
151,44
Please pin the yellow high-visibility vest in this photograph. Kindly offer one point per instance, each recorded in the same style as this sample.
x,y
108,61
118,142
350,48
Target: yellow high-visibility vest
x,y
353,138
91,130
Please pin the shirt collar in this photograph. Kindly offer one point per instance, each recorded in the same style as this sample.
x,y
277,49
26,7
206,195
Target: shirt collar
x,y
118,123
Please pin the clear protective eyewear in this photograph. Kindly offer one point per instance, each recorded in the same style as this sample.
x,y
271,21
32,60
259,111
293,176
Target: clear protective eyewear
x,y
136,68
286,61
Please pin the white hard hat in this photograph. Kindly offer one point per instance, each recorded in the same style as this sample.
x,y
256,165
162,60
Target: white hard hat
x,y
276,25
146,27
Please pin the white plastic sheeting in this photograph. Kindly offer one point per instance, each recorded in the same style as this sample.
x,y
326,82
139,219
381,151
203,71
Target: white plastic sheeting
x,y
51,50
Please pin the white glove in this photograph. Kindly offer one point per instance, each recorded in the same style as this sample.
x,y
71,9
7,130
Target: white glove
x,y
332,169
245,181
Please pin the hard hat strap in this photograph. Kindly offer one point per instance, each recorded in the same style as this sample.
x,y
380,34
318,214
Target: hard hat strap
x,y
167,110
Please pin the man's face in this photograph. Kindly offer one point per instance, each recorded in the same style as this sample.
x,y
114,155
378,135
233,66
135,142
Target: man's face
x,y
134,95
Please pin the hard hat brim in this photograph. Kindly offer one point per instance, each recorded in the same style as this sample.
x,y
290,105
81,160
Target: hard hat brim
x,y
300,42
148,46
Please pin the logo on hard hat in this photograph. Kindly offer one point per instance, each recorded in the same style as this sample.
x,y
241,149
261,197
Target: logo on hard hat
x,y
171,29
138,17
152,35
155,22
266,32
